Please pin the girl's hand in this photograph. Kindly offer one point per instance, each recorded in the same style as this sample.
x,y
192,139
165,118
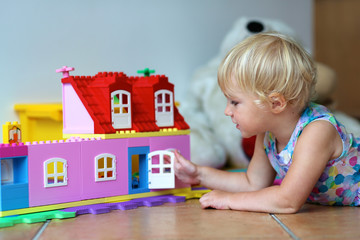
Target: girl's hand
x,y
215,199
185,170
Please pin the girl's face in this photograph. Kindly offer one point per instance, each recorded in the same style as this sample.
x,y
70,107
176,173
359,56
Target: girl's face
x,y
249,118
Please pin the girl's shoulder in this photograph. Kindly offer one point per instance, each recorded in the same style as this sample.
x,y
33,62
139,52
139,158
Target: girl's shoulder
x,y
313,113
316,112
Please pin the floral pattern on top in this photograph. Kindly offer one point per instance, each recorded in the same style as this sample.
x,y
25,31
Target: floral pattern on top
x,y
339,183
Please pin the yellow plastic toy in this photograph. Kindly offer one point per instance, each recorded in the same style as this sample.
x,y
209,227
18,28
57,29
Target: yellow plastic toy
x,y
12,132
40,122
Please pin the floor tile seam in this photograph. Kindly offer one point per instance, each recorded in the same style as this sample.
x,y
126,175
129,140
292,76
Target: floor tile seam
x,y
41,230
287,229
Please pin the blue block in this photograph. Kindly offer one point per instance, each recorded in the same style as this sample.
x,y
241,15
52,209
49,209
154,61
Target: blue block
x,y
142,185
14,196
14,192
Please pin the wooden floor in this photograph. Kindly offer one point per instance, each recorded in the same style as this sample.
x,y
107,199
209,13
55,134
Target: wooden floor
x,y
188,221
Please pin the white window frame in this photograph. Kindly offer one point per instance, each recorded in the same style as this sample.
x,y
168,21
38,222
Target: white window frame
x,y
121,119
162,179
164,118
56,174
7,171
106,169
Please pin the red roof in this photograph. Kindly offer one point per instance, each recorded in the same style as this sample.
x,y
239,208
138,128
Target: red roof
x,y
95,94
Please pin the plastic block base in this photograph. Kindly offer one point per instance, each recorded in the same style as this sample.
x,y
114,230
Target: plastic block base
x,y
132,204
34,217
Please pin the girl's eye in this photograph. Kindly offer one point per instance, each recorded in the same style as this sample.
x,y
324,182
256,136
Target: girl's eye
x,y
234,103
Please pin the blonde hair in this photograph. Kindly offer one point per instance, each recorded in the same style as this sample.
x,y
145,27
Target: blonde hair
x,y
268,63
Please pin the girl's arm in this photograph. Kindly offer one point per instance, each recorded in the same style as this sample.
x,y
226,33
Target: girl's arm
x,y
260,174
318,143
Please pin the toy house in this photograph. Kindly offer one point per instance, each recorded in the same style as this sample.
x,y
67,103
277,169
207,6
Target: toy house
x,y
120,134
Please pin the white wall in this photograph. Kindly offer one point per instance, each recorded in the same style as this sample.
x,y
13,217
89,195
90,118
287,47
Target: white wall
x,y
172,37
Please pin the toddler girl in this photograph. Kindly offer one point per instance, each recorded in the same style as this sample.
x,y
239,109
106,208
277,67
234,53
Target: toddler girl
x,y
269,81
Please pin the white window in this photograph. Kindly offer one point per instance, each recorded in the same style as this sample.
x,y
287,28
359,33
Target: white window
x,y
55,172
164,107
105,167
161,170
121,109
7,171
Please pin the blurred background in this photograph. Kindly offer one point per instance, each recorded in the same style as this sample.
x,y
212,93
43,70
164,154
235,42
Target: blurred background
x,y
336,43
172,37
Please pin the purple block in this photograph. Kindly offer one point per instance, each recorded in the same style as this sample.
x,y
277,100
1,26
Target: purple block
x,y
175,199
99,208
124,206
93,209
81,211
132,204
78,210
150,202
159,200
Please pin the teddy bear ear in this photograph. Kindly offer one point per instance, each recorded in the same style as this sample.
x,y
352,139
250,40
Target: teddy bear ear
x,y
255,27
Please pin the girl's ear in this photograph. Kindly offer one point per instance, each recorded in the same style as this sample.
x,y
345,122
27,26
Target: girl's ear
x,y
277,102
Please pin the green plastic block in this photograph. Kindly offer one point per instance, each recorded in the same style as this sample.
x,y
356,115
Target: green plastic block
x,y
34,217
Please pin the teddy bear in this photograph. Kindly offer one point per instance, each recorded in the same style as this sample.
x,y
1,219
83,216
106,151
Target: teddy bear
x,y
325,86
215,142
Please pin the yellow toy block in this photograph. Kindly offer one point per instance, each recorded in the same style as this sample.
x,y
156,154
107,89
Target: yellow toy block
x,y
193,194
40,122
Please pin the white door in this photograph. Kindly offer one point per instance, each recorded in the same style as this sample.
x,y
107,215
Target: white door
x,y
120,109
161,169
164,108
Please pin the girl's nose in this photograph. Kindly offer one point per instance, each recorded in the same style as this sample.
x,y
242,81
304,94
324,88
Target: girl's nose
x,y
228,111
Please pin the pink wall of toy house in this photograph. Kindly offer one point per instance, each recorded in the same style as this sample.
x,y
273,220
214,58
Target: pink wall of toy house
x,y
80,156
